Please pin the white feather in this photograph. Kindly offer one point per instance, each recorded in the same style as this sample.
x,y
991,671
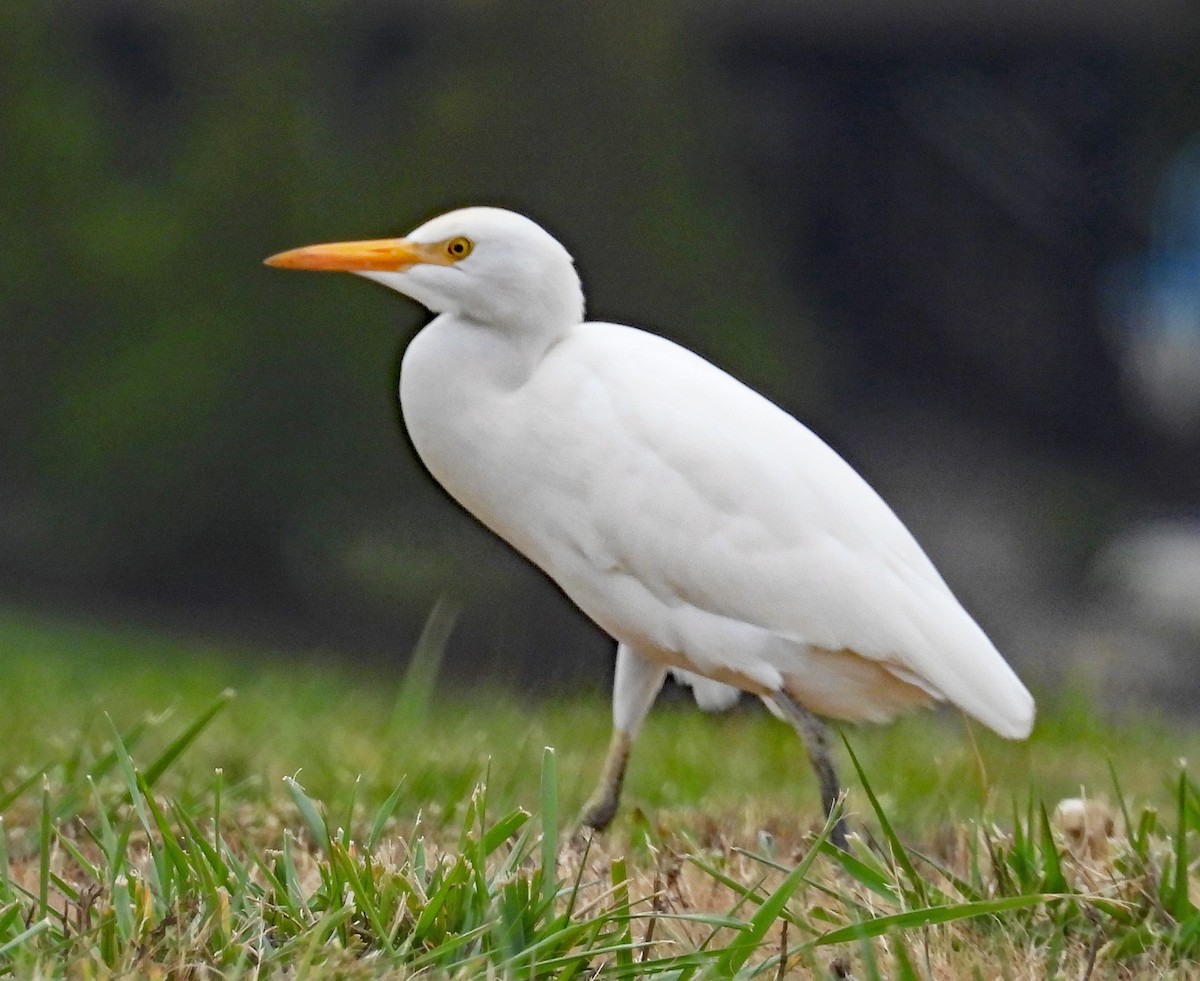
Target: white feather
x,y
691,518
711,696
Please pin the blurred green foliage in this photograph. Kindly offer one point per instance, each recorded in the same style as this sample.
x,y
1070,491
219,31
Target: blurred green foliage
x,y
170,411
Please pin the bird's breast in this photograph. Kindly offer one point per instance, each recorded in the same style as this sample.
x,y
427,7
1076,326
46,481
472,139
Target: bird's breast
x,y
486,433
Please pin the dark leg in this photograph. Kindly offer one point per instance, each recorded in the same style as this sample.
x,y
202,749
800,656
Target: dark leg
x,y
636,684
598,812
815,737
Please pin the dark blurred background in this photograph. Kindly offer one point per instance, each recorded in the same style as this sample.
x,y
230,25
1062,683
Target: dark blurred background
x,y
961,241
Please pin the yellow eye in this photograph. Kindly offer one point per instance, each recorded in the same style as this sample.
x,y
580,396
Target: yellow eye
x,y
459,248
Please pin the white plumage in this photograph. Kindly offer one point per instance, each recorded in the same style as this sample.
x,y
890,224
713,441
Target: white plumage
x,y
696,522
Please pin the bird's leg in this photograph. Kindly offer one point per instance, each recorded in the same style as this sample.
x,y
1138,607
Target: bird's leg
x,y
601,807
636,684
815,737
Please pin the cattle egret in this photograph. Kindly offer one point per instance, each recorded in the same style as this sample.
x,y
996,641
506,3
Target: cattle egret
x,y
700,525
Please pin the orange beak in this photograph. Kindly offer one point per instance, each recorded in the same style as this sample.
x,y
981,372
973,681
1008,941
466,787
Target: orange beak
x,y
378,255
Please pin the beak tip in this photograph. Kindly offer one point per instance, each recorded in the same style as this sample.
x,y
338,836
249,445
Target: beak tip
x,y
382,255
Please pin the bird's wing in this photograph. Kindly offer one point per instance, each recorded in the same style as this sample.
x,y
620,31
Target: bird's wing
x,y
710,496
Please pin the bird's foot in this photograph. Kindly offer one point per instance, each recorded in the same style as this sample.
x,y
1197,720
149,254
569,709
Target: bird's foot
x,y
601,807
598,812
837,835
596,816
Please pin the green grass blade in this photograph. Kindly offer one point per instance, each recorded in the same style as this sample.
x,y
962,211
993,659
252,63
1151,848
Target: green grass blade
x,y
746,894
122,906
129,742
218,862
621,913
866,953
22,938
740,949
1121,801
295,894
88,869
871,877
8,799
1180,904
930,915
345,834
110,843
365,895
715,920
1053,880
10,916
899,852
44,853
5,882
838,896
501,831
129,773
192,854
420,678
310,813
447,951
549,827
385,813
904,965
175,749
966,890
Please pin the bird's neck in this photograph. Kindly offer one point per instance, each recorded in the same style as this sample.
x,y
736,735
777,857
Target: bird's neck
x,y
472,356
531,313
459,384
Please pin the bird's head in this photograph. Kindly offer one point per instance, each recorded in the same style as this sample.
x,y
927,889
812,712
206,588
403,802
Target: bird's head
x,y
484,264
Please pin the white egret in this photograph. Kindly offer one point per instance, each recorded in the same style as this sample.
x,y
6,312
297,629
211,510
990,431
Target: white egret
x,y
697,523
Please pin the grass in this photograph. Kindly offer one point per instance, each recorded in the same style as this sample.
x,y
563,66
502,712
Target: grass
x,y
322,824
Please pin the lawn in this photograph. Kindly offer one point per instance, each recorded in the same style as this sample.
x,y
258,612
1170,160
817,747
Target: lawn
x,y
171,809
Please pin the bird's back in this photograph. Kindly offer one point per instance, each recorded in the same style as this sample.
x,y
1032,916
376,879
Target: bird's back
x,y
690,516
